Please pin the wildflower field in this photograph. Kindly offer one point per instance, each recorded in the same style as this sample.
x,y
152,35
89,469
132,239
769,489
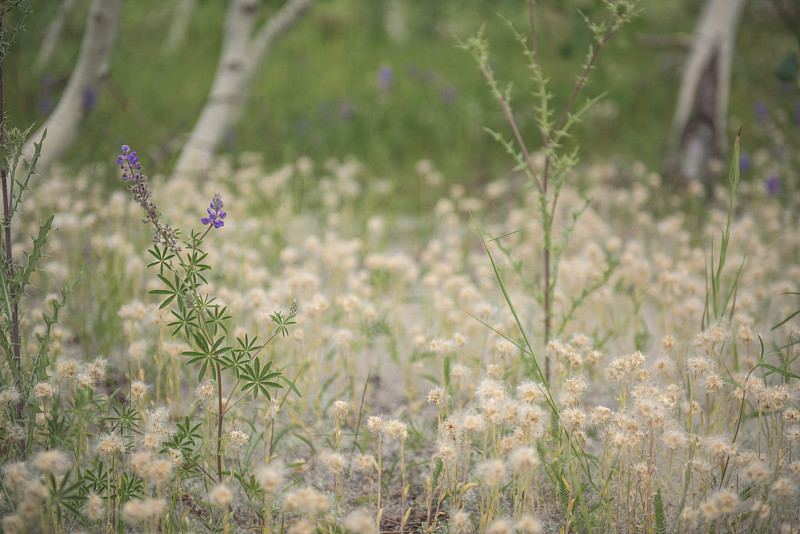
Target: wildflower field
x,y
564,348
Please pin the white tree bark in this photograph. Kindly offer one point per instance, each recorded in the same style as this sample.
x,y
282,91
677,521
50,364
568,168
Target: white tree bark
x,y
84,84
698,131
179,26
241,55
53,32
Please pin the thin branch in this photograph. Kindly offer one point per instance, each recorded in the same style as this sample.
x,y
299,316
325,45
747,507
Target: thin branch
x,y
582,79
533,35
514,128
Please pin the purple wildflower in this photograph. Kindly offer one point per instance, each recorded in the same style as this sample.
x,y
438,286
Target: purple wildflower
x,y
773,184
449,94
138,185
761,111
744,162
385,79
89,98
128,160
45,105
215,213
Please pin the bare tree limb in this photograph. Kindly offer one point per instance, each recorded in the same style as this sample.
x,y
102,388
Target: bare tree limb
x,y
84,84
179,27
242,54
698,131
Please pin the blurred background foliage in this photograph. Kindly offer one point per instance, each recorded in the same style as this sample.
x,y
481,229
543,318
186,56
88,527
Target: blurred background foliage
x,y
385,82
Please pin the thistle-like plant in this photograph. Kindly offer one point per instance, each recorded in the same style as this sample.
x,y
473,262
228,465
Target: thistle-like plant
x,y
550,176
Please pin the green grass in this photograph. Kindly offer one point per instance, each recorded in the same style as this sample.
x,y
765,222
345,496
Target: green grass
x,y
327,66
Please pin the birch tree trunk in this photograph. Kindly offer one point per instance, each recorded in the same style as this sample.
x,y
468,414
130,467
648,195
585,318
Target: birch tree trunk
x,y
83,85
179,26
242,54
698,132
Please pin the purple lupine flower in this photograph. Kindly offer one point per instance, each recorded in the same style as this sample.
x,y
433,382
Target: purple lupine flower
x,y
215,213
128,161
89,98
449,94
744,162
385,79
130,157
45,105
773,184
761,111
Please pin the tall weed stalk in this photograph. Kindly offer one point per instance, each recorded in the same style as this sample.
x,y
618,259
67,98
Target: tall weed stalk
x,y
549,177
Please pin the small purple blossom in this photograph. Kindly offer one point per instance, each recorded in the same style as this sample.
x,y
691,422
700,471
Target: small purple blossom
x,y
385,79
45,105
127,161
215,213
744,162
761,111
89,98
449,94
773,184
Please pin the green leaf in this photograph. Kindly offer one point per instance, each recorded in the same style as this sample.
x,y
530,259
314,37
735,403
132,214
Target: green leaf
x,y
787,68
778,370
259,379
162,256
33,258
658,507
206,355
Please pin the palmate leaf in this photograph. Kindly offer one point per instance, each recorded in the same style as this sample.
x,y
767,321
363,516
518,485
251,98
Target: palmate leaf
x,y
185,438
162,256
217,315
206,355
65,496
125,417
258,379
241,355
185,318
175,289
96,478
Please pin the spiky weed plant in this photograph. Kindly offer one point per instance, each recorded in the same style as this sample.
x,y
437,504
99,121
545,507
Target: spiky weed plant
x,y
548,177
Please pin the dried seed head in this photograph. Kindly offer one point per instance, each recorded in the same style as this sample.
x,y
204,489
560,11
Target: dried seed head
x,y
95,509
437,396
138,391
460,523
491,472
340,410
110,445
360,522
53,461
269,477
220,496
501,526
529,525
375,423
366,463
333,461
396,429
524,459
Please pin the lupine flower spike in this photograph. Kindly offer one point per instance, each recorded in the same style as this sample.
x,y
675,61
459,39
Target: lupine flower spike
x,y
215,213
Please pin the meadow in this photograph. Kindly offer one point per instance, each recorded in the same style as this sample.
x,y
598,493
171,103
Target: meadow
x,y
290,348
